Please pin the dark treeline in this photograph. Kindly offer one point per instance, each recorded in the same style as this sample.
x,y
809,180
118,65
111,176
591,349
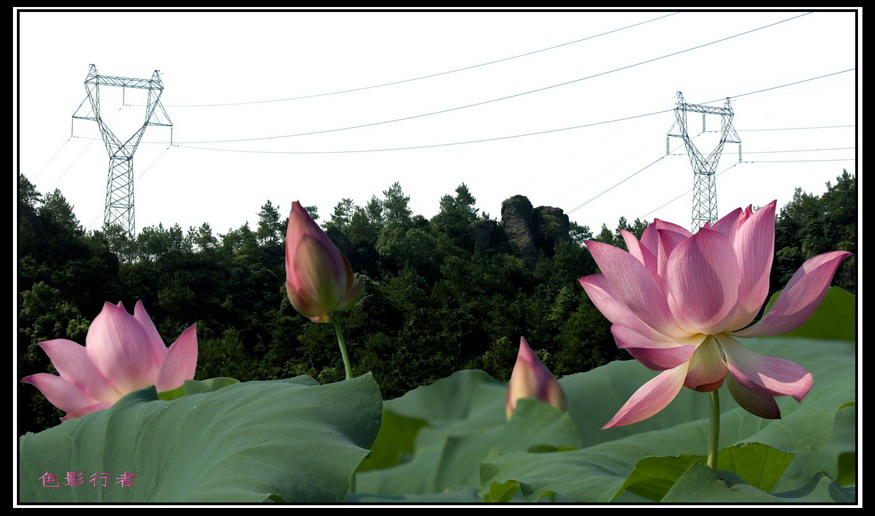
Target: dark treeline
x,y
453,292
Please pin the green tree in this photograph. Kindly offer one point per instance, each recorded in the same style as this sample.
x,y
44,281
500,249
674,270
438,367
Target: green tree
x,y
579,234
342,215
810,225
396,206
271,227
456,215
202,238
45,313
155,242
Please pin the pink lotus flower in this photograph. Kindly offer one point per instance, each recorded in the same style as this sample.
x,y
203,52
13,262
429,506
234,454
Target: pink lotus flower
x,y
319,279
122,353
531,379
678,301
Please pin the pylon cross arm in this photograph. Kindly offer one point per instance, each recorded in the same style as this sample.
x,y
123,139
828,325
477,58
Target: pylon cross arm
x,y
123,82
708,110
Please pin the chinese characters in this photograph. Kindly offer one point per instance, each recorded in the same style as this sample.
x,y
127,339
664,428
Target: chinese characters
x,y
97,479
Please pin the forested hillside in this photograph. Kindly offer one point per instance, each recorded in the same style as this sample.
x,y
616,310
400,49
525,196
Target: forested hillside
x,y
453,292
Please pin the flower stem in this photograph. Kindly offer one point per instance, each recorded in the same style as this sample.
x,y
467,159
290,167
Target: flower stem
x,y
342,342
714,437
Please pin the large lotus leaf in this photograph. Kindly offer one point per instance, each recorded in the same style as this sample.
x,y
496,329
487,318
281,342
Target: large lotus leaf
x,y
597,472
701,484
461,496
190,387
448,460
502,492
758,465
837,457
468,400
468,395
248,442
395,441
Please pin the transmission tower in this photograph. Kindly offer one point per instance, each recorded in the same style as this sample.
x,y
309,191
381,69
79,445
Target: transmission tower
x,y
704,183
119,205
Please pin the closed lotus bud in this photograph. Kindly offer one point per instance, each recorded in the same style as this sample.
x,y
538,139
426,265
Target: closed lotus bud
x,y
531,379
319,280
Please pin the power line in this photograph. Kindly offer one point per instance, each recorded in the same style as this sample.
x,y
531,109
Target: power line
x,y
93,221
143,173
793,128
529,92
800,160
350,90
482,140
803,128
71,164
429,146
798,150
596,196
52,158
790,84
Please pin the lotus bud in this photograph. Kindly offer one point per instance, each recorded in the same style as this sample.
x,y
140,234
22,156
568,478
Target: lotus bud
x,y
531,379
319,279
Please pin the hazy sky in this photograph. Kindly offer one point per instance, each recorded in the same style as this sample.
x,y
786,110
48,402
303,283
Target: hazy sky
x,y
558,106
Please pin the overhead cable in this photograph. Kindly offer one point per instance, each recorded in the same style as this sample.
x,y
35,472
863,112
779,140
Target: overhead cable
x,y
507,97
350,90
482,140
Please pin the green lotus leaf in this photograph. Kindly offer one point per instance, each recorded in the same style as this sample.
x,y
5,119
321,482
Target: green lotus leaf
x,y
283,440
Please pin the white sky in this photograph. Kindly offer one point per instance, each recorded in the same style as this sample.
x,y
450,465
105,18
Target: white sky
x,y
213,58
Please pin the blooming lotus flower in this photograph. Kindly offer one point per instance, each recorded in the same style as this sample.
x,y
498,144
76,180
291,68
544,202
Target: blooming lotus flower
x,y
678,301
531,379
318,277
122,353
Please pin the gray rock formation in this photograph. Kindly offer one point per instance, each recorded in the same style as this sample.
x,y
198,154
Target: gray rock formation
x,y
516,219
529,230
485,233
552,227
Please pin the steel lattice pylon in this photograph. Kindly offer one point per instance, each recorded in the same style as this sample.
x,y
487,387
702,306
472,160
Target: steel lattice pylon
x,y
704,183
119,205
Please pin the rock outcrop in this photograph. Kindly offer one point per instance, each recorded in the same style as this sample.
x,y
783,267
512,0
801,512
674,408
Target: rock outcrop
x,y
532,230
485,234
516,219
552,227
